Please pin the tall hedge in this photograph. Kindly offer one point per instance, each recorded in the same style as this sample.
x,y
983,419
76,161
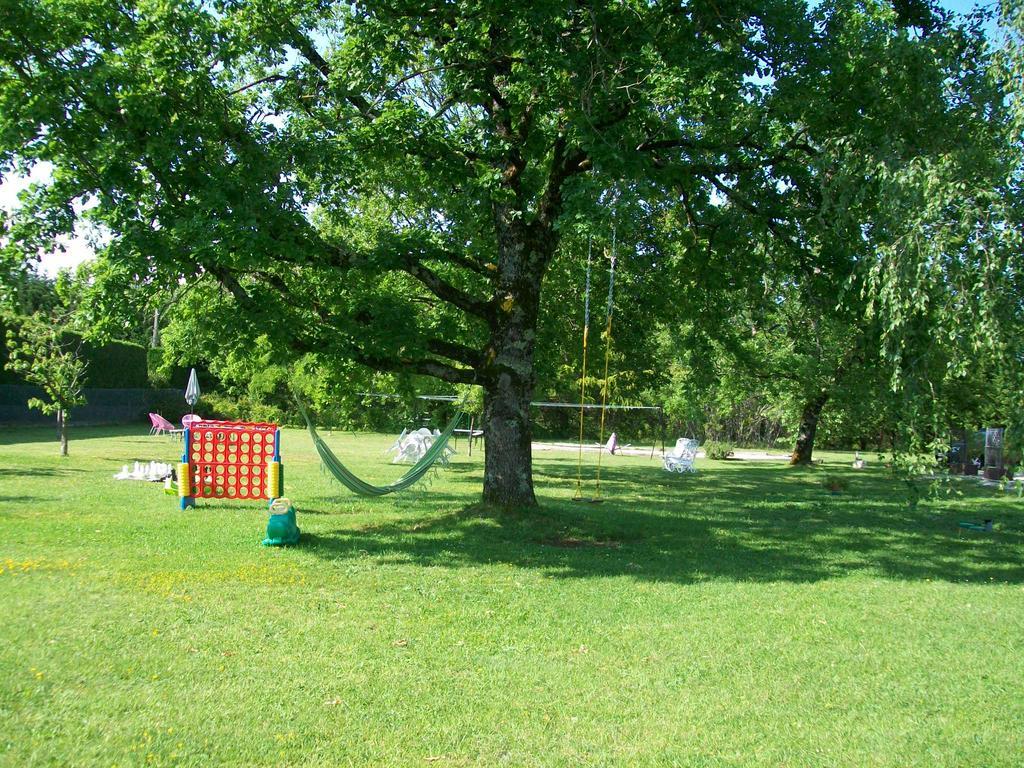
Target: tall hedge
x,y
174,376
114,365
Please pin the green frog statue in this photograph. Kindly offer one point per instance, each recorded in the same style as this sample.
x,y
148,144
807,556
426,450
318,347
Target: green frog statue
x,y
281,528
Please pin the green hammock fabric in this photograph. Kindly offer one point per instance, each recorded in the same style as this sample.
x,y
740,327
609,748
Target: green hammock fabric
x,y
344,476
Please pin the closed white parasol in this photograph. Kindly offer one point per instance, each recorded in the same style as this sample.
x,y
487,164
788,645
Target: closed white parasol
x,y
192,390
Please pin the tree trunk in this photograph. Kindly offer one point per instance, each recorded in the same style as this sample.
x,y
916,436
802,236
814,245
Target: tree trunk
x,y
508,390
508,459
507,377
62,431
808,428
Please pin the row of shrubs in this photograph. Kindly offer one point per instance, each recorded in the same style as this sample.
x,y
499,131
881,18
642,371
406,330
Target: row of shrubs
x,y
715,449
214,405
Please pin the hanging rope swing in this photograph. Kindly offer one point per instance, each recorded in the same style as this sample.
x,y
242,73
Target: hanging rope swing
x,y
583,376
578,496
607,359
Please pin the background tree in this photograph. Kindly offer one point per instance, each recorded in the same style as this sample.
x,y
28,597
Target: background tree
x,y
887,228
38,351
25,292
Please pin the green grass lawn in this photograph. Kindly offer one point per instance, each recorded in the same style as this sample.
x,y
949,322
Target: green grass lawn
x,y
742,616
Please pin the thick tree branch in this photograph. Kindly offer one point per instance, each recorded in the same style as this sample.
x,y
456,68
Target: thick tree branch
x,y
768,159
341,259
275,281
772,222
448,292
680,142
423,367
691,219
305,343
565,162
231,284
454,351
305,46
468,263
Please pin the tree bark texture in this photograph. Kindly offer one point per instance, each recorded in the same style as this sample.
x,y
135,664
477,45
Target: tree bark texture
x,y
508,376
804,449
508,459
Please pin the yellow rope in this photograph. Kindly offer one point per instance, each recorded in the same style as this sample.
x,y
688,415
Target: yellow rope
x,y
604,402
607,358
583,377
583,384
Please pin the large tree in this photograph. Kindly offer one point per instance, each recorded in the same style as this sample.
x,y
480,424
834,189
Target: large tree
x,y
388,182
892,251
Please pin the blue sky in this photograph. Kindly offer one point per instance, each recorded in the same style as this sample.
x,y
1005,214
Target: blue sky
x,y
961,6
965,6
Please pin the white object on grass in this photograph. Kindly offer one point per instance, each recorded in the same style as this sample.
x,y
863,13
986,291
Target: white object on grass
x,y
397,445
411,446
681,458
152,472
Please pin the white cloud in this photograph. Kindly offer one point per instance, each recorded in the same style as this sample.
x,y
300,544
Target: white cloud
x,y
13,184
76,246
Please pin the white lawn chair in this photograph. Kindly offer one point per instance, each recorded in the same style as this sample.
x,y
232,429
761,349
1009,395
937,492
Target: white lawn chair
x,y
411,446
397,445
681,458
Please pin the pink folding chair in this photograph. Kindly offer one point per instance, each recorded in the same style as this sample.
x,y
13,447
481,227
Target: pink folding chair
x,y
188,419
162,426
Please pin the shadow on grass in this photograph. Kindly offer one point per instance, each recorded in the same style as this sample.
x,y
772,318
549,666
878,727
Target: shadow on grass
x,y
36,472
758,524
461,468
48,434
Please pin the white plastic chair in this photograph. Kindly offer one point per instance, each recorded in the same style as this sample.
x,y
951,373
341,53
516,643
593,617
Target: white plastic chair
x,y
680,459
411,446
397,445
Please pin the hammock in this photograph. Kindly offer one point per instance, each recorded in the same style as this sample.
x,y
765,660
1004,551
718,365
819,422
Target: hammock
x,y
344,476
